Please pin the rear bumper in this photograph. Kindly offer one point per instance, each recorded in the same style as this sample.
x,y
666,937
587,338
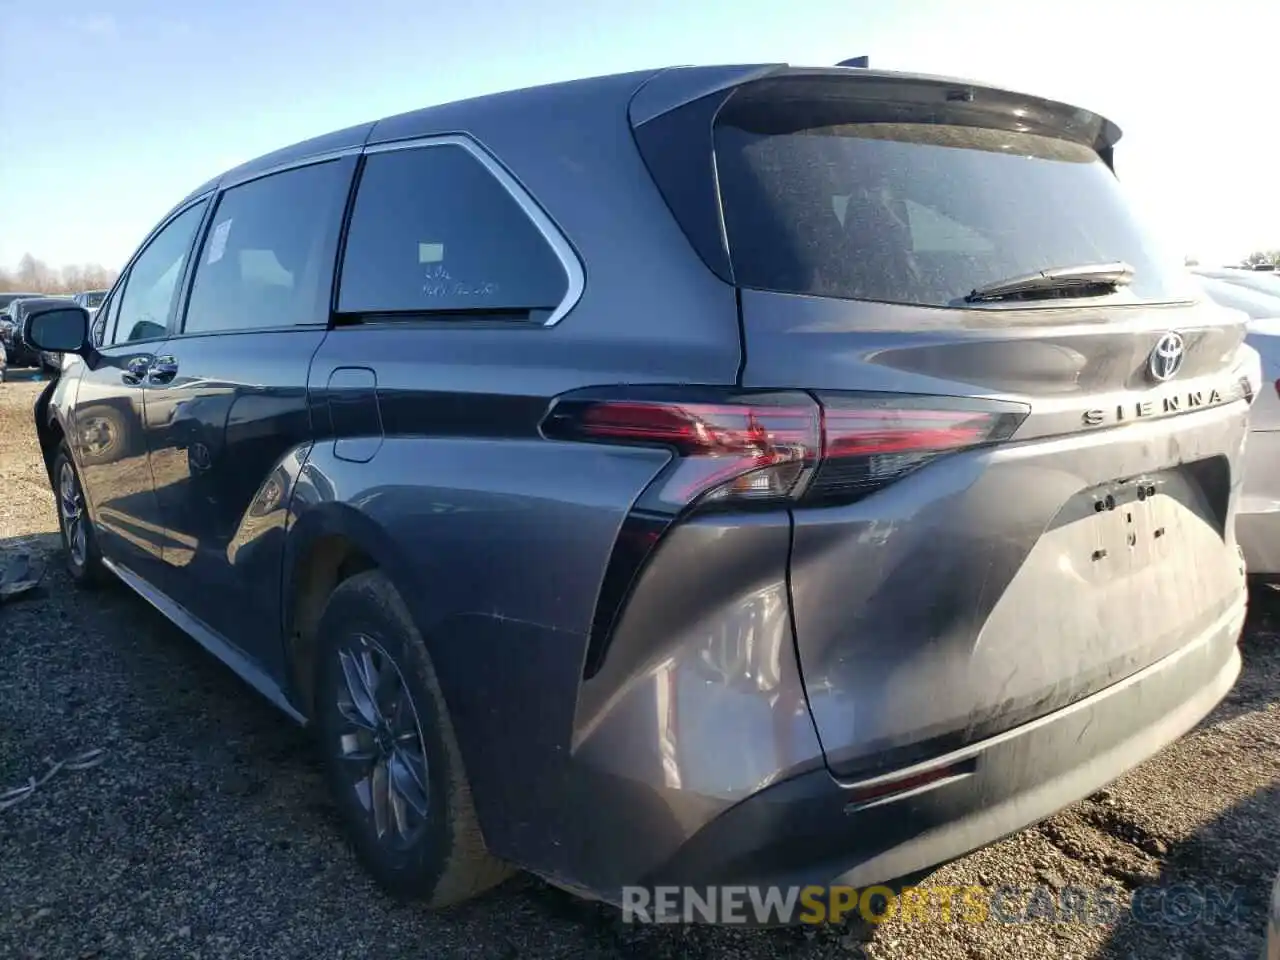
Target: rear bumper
x,y
806,831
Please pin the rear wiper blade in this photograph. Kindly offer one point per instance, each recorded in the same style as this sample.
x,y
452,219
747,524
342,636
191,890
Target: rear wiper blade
x,y
1090,279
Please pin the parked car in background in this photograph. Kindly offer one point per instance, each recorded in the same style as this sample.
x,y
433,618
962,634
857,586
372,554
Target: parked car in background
x,y
8,297
9,329
4,361
1262,281
91,300
21,353
1258,517
28,354
705,475
1272,950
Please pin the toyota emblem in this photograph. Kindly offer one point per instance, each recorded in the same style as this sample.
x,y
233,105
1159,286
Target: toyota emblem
x,y
1166,359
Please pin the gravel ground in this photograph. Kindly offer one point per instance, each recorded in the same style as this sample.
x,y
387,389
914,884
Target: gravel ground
x,y
205,831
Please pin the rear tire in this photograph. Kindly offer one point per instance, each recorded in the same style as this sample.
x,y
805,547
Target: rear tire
x,y
426,843
79,545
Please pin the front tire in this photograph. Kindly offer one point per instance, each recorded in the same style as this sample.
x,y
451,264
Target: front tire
x,y
390,756
80,547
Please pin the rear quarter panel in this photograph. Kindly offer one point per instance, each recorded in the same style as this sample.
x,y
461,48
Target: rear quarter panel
x,y
497,538
498,546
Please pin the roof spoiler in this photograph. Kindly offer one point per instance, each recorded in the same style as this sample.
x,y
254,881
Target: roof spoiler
x,y
675,87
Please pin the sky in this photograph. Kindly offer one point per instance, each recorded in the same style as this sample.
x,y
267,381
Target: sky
x,y
111,112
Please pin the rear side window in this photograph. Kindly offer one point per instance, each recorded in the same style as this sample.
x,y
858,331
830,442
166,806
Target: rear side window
x,y
832,197
267,259
433,232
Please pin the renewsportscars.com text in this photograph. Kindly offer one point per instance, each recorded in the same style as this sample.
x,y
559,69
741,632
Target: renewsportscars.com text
x,y
1178,905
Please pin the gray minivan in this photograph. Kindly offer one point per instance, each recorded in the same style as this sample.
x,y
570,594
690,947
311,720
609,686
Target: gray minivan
x,y
744,474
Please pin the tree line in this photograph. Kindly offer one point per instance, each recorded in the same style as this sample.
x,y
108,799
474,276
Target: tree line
x,y
36,276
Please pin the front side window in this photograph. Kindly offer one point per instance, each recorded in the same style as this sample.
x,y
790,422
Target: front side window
x,y
148,295
433,232
102,320
267,261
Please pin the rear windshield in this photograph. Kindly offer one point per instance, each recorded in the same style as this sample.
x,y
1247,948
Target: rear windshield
x,y
917,213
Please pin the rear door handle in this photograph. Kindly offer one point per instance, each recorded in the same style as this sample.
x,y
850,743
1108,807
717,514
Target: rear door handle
x,y
162,370
136,369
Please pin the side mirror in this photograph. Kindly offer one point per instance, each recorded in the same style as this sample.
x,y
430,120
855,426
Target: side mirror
x,y
58,329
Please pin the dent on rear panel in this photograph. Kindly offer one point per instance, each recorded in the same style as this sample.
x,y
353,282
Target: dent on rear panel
x,y
700,690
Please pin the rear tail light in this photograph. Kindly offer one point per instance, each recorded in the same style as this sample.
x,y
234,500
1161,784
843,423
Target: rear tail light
x,y
900,786
871,441
735,449
748,448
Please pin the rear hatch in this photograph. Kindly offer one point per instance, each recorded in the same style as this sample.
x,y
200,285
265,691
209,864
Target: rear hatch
x,y
1026,493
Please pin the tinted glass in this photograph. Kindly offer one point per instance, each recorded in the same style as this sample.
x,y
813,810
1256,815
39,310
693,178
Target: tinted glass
x,y
153,280
918,213
267,260
103,319
433,232
92,300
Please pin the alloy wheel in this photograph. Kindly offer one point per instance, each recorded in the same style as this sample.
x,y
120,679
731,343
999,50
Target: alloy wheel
x,y
381,743
71,507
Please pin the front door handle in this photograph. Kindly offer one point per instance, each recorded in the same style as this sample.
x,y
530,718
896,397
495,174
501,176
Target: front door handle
x,y
162,370
136,369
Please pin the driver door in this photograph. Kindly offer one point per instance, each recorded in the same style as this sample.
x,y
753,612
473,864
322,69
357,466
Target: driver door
x,y
107,436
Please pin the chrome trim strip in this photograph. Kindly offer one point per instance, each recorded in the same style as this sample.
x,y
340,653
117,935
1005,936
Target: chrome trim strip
x,y
546,226
210,639
225,184
1231,619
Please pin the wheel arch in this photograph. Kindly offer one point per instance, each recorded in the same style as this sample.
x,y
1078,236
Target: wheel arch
x,y
50,430
327,544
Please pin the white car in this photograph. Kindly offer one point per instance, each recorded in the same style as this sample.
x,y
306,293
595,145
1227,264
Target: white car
x,y
1258,517
1272,949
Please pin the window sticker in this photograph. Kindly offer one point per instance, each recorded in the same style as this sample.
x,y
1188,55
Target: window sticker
x,y
430,252
218,242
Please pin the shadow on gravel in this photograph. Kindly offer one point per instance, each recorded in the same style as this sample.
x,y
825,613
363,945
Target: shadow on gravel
x,y
207,824
1210,900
